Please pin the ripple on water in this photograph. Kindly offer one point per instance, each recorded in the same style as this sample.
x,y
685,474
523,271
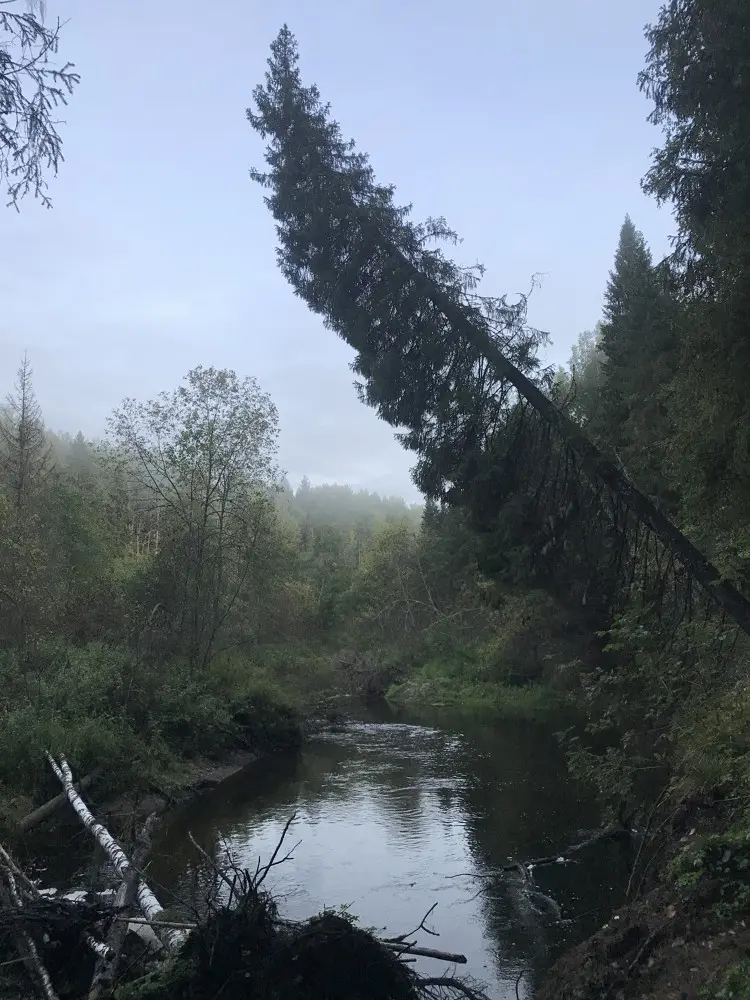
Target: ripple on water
x,y
389,815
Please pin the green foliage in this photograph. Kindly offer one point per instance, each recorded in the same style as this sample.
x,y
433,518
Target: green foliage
x,y
723,859
712,743
103,708
697,76
731,984
353,255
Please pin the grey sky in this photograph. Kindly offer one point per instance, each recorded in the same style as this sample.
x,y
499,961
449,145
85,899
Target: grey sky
x,y
521,123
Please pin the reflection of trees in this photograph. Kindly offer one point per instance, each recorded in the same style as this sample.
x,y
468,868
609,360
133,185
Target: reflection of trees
x,y
375,805
519,803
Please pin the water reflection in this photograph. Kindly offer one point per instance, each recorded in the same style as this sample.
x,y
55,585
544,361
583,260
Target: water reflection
x,y
396,813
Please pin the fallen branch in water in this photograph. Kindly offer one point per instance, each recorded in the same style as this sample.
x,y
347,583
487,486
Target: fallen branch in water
x,y
412,949
443,983
563,858
420,927
242,884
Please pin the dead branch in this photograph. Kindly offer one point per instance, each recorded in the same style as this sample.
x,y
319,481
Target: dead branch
x,y
420,927
14,872
411,949
450,983
25,944
563,858
261,873
186,925
49,808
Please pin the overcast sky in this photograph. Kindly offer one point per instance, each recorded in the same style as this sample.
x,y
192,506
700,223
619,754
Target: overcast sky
x,y
520,122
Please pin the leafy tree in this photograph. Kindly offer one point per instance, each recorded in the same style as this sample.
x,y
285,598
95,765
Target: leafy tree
x,y
203,457
580,387
32,88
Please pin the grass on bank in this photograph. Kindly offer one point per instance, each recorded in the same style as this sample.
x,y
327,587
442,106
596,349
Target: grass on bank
x,y
535,701
515,663
478,677
103,708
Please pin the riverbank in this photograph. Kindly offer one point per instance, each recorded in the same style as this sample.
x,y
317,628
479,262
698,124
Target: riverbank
x,y
142,724
260,727
535,702
685,934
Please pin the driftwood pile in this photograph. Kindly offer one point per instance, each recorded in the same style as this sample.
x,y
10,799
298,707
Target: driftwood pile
x,y
70,947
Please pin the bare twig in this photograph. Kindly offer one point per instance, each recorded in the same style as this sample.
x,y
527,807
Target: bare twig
x,y
273,862
448,982
420,927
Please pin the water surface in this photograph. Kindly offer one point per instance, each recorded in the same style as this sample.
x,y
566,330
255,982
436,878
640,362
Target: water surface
x,y
403,810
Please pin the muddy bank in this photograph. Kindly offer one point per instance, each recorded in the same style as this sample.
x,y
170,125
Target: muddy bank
x,y
686,934
201,775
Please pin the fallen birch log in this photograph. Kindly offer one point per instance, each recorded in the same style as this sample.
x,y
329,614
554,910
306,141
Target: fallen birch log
x,y
147,901
25,944
105,971
14,873
49,808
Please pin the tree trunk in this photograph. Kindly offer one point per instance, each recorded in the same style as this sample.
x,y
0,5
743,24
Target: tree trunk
x,y
147,901
595,463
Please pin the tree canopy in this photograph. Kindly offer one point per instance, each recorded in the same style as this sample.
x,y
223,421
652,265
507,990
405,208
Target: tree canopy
x,y
32,89
458,370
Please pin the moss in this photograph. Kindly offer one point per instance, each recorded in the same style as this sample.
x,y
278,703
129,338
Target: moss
x,y
732,984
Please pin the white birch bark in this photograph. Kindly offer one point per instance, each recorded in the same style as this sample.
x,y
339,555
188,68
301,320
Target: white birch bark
x,y
147,901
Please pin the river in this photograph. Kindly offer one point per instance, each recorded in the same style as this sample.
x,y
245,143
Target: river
x,y
402,810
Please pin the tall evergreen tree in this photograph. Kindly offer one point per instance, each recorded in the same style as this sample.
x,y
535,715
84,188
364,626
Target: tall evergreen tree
x,y
637,338
25,455
698,76
457,370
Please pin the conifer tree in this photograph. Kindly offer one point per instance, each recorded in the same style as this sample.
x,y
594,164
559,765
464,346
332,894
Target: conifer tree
x,y
26,457
637,338
698,75
455,369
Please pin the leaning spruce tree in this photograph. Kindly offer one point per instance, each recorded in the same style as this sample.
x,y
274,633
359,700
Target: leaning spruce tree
x,y
435,357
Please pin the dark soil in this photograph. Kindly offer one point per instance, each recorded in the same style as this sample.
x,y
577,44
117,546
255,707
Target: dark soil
x,y
670,943
659,948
